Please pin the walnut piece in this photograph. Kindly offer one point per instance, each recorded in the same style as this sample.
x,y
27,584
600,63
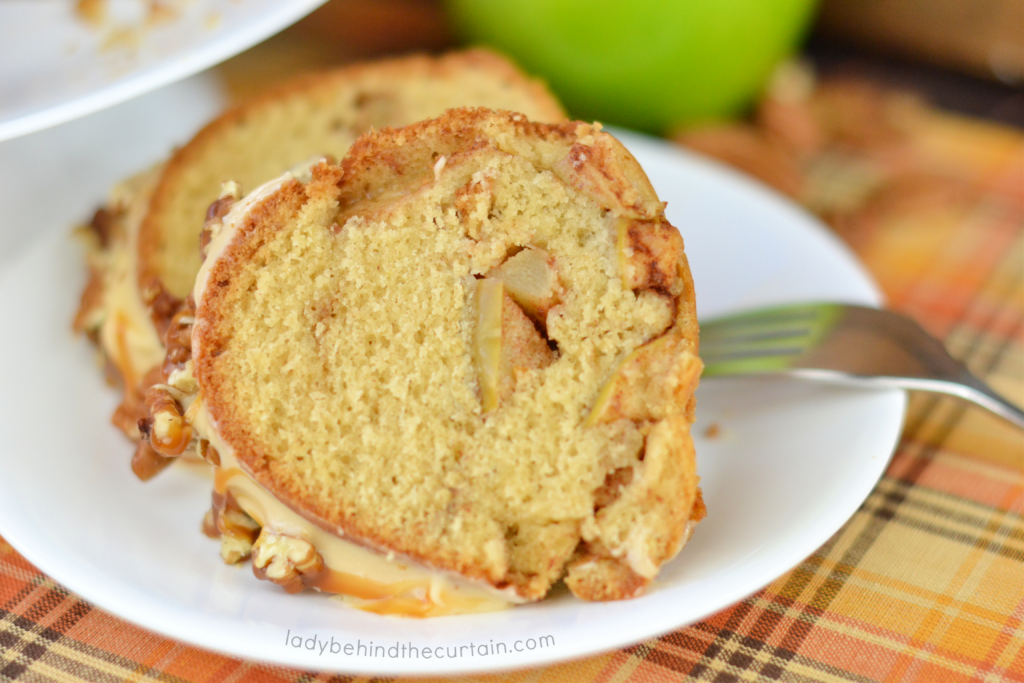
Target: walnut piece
x,y
285,560
165,427
236,530
230,192
147,463
208,452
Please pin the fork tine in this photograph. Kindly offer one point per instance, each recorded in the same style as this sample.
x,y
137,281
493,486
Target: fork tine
x,y
782,315
725,355
762,341
743,336
756,328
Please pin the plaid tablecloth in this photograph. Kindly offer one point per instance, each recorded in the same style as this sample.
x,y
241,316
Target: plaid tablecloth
x,y
925,583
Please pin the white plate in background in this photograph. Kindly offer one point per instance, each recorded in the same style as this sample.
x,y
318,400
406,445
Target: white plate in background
x,y
791,464
55,65
57,177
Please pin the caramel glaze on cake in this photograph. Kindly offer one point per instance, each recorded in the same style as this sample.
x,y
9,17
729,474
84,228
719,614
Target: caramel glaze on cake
x,y
472,344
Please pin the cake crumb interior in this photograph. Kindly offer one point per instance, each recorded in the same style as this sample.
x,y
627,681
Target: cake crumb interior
x,y
362,390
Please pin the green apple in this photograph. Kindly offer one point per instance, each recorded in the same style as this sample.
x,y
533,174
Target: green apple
x,y
646,64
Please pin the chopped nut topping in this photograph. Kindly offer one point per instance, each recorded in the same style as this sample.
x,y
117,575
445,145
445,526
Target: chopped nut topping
x,y
230,193
208,453
161,303
237,530
234,549
165,428
147,463
90,313
132,409
103,225
183,380
153,411
178,337
285,560
210,525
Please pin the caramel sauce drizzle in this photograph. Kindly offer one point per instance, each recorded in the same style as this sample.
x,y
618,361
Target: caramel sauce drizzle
x,y
391,598
409,598
222,475
123,360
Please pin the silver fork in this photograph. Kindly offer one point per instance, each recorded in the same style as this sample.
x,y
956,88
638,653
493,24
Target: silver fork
x,y
842,344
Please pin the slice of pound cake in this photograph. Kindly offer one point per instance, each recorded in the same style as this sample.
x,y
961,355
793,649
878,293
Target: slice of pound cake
x,y
145,253
446,373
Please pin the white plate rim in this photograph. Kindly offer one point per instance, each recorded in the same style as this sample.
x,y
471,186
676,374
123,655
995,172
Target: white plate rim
x,y
164,72
142,610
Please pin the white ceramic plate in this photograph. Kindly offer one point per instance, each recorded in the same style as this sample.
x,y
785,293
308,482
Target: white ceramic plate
x,y
790,466
55,178
56,66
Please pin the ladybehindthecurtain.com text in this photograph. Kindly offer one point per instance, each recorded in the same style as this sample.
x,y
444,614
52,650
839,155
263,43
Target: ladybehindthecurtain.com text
x,y
398,650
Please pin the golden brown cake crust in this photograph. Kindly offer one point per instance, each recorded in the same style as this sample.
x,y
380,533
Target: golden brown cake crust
x,y
604,554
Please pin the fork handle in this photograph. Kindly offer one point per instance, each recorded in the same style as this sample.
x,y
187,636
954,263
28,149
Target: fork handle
x,y
978,392
969,388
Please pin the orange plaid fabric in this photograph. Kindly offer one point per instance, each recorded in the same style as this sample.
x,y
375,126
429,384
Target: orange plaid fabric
x,y
925,583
